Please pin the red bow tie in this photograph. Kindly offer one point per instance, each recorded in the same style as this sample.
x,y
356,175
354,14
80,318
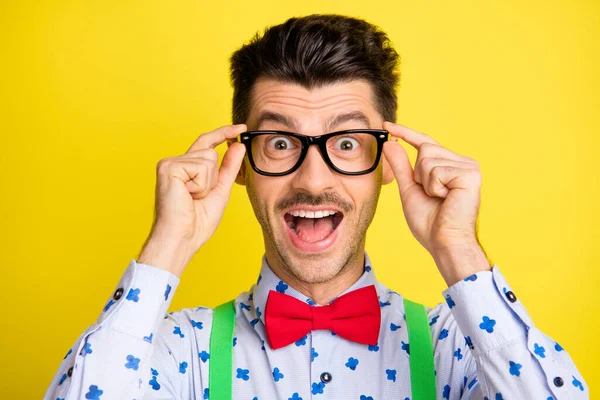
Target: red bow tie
x,y
355,316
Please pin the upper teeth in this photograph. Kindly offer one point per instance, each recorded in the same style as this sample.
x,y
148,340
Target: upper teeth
x,y
312,214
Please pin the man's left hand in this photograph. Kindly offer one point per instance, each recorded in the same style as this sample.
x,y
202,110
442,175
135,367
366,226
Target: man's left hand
x,y
440,199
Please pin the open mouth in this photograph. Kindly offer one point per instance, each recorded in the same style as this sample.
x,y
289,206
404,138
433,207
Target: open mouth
x,y
313,226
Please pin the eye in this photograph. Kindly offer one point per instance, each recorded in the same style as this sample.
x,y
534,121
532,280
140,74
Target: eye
x,y
346,143
280,143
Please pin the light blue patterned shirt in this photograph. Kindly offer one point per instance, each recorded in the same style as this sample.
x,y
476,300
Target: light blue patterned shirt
x,y
486,347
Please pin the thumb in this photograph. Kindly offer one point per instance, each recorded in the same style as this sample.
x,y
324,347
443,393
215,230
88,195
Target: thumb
x,y
230,166
397,157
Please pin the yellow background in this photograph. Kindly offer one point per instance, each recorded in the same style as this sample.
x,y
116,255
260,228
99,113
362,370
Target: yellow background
x,y
94,93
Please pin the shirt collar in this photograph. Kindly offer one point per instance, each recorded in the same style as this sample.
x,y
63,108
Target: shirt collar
x,y
267,281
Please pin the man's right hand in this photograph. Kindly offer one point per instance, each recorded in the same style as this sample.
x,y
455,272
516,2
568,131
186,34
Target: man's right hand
x,y
191,195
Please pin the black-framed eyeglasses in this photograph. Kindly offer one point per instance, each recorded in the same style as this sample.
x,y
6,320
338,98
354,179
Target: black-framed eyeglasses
x,y
348,152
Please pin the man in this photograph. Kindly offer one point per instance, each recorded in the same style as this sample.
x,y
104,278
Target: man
x,y
326,80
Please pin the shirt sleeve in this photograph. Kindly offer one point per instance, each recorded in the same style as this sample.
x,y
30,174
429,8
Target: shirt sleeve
x,y
111,357
514,359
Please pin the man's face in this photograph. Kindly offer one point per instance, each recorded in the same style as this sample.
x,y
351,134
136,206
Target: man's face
x,y
311,247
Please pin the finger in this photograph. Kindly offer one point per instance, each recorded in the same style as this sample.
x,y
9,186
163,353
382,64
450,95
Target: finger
x,y
210,157
400,164
199,185
427,150
214,138
209,154
192,172
424,165
414,138
211,176
445,178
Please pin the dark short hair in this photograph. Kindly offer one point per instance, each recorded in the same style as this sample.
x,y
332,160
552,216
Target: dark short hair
x,y
317,50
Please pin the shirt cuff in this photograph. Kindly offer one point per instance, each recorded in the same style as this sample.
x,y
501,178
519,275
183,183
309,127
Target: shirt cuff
x,y
487,311
140,301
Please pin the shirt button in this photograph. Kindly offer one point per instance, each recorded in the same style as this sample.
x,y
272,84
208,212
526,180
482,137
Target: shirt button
x,y
558,381
118,293
70,372
511,296
326,377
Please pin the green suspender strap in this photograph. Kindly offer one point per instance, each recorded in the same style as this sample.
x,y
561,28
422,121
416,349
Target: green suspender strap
x,y
422,369
220,372
422,376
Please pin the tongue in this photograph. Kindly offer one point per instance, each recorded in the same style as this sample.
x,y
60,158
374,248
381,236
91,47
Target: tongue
x,y
313,229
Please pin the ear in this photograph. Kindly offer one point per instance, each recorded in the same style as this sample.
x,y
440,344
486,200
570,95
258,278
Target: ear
x,y
388,174
239,179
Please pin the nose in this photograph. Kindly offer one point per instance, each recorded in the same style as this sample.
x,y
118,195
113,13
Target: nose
x,y
314,175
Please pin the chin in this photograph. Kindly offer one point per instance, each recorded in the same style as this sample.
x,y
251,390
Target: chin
x,y
315,267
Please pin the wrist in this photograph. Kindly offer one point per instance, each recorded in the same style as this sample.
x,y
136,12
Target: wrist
x,y
165,254
457,262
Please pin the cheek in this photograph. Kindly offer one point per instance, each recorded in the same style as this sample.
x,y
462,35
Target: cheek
x,y
266,191
255,195
363,189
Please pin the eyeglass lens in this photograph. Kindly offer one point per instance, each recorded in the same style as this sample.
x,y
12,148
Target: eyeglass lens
x,y
276,153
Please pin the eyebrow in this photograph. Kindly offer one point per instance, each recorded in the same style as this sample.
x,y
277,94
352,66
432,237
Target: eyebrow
x,y
269,116
358,116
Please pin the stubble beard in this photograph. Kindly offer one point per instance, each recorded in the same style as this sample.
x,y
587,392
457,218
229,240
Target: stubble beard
x,y
315,268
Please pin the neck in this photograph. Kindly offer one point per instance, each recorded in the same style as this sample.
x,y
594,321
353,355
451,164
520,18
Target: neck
x,y
322,292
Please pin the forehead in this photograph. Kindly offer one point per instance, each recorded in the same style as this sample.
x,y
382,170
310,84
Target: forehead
x,y
281,104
